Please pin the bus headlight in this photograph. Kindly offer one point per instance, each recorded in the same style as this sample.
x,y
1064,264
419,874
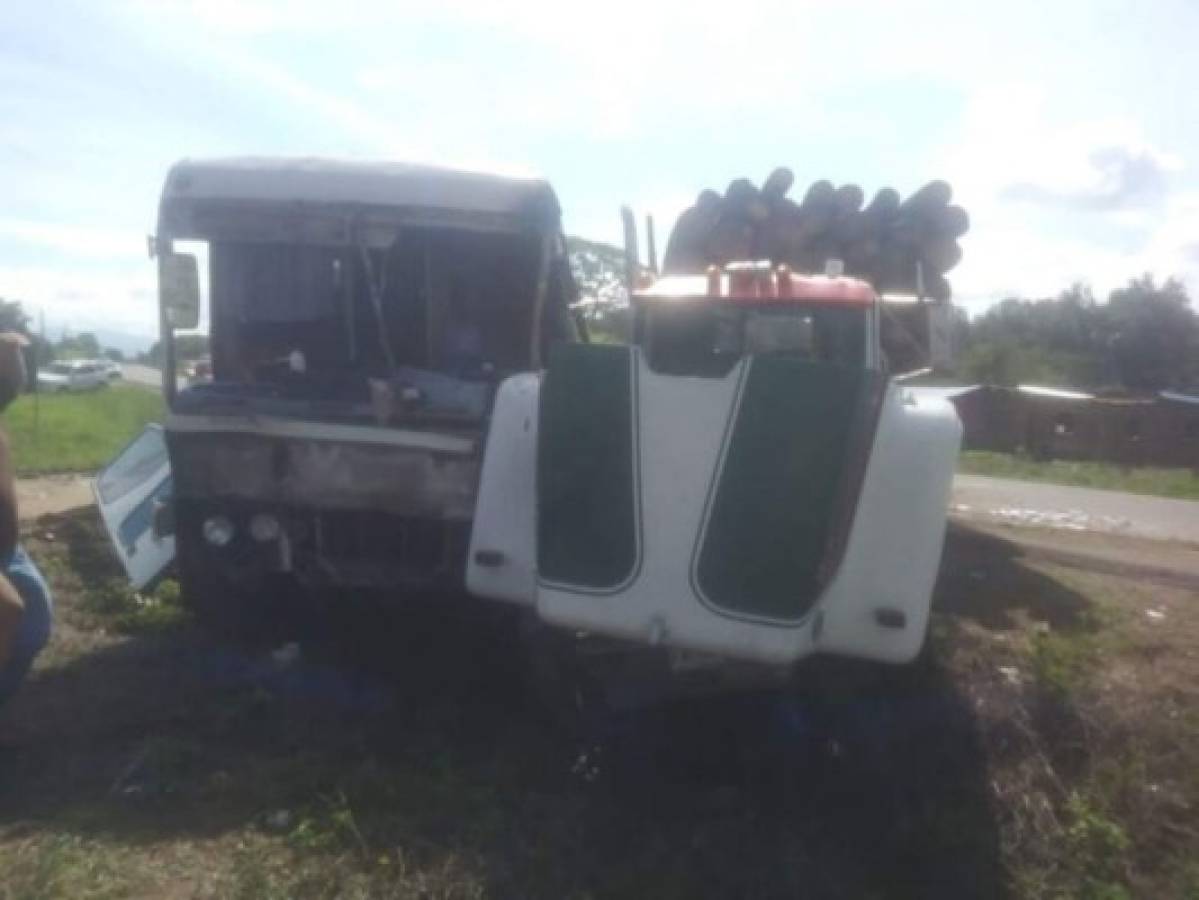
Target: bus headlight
x,y
218,530
264,527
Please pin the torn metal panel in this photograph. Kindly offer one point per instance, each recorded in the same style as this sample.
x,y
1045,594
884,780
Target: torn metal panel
x,y
324,474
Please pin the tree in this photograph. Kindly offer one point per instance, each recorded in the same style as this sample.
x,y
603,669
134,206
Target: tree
x,y
13,316
84,345
1153,335
1057,341
1145,338
39,352
114,354
187,347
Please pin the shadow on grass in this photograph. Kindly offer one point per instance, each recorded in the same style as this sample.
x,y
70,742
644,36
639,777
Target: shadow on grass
x,y
855,781
88,550
983,579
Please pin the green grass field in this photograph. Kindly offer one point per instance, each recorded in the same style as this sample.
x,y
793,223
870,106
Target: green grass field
x,y
1179,483
77,432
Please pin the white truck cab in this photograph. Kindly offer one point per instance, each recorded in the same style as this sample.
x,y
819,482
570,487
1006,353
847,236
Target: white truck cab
x,y
745,480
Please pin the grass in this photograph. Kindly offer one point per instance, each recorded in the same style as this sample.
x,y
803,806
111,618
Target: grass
x,y
1178,483
78,432
128,612
1046,747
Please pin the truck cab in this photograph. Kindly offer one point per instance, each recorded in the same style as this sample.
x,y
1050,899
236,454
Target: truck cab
x,y
360,318
745,480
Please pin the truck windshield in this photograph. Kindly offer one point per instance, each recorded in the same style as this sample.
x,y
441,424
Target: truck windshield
x,y
707,339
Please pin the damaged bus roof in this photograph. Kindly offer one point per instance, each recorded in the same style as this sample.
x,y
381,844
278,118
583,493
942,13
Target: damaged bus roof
x,y
426,193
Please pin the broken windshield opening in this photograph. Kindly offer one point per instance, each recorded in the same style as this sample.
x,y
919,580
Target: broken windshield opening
x,y
457,303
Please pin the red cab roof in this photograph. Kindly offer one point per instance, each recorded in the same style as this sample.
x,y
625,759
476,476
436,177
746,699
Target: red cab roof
x,y
757,285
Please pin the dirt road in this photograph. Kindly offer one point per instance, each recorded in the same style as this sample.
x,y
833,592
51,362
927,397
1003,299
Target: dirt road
x,y
37,497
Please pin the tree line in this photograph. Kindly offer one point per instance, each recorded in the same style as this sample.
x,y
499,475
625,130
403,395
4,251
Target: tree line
x,y
1144,338
85,344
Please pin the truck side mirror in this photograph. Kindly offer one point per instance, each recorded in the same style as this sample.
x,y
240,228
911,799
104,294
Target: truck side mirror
x,y
179,288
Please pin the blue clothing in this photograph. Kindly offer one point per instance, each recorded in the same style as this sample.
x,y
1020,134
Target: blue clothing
x,y
34,631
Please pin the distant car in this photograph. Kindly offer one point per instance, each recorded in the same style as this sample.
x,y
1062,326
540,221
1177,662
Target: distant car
x,y
77,375
112,369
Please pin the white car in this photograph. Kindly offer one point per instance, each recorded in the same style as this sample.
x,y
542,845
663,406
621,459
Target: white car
x,y
111,369
77,375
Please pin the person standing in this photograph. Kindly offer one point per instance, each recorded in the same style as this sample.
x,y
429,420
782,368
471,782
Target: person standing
x,y
25,606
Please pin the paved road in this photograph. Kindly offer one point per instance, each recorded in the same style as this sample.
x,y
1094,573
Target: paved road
x,y
145,375
1074,508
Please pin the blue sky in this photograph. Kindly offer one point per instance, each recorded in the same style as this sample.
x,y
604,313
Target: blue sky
x,y
1070,130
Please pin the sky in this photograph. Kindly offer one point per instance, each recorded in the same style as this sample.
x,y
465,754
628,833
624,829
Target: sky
x,y
1069,130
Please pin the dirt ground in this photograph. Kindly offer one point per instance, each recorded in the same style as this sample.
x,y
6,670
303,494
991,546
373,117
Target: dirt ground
x,y
1047,745
48,494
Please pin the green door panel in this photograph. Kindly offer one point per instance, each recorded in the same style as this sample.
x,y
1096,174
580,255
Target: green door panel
x,y
587,492
773,510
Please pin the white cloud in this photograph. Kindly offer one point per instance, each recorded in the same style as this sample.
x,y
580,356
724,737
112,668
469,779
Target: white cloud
x,y
1173,249
74,240
1055,200
83,299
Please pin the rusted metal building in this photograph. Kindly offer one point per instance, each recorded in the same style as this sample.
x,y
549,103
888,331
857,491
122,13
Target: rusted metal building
x,y
1049,423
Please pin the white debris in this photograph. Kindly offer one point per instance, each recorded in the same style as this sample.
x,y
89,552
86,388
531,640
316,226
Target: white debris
x,y
1010,673
1065,519
287,655
1155,614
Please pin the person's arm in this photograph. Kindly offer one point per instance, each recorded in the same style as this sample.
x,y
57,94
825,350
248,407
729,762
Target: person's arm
x,y
8,503
12,379
12,610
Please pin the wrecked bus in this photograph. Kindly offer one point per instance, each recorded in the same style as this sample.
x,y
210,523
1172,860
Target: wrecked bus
x,y
360,318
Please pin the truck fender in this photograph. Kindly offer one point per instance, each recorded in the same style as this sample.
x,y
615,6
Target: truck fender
x,y
502,561
877,606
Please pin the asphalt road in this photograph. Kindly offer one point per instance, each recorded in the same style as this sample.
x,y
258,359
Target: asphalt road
x,y
1074,508
144,375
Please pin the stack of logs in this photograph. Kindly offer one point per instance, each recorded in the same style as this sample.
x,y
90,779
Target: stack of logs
x,y
880,242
